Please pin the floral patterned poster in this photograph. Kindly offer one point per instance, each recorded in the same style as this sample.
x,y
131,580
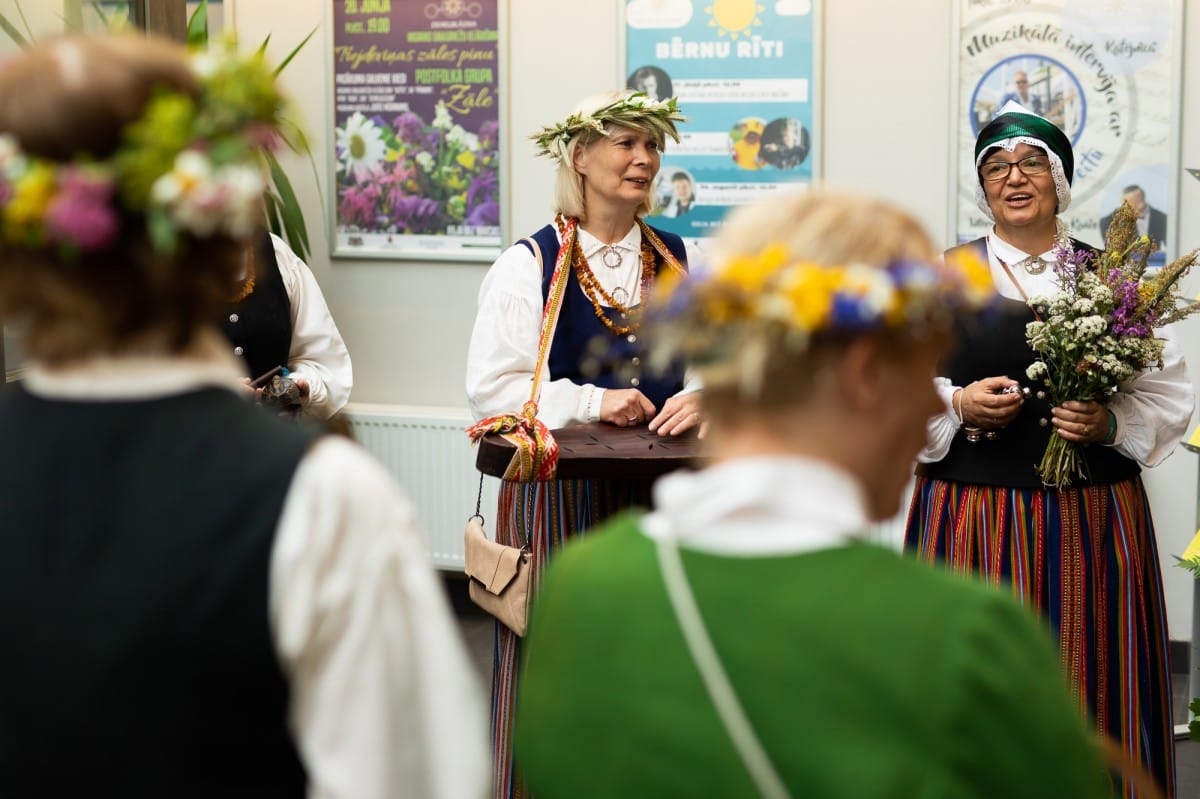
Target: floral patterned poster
x,y
416,129
1106,73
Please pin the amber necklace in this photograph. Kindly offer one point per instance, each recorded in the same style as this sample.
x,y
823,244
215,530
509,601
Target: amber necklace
x,y
247,287
600,298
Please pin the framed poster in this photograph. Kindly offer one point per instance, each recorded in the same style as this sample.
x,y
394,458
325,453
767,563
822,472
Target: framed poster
x,y
416,129
1107,74
746,75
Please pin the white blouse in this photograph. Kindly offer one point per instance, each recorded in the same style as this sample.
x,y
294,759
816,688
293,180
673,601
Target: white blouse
x,y
504,341
318,354
1152,409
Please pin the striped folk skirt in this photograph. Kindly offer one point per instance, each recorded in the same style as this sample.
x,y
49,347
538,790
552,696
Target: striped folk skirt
x,y
546,516
1087,561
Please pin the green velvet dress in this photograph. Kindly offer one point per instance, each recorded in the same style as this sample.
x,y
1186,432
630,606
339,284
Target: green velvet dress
x,y
864,674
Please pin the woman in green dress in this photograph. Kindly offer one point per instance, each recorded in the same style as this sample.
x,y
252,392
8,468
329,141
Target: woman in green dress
x,y
814,663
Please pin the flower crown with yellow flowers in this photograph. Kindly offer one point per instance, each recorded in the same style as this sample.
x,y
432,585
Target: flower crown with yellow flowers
x,y
188,165
704,318
636,110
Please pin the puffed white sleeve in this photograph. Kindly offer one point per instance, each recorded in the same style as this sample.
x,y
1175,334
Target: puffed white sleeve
x,y
697,264
940,429
384,700
503,350
317,354
1154,408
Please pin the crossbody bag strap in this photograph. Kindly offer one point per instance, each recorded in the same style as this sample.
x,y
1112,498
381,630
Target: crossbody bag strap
x,y
550,311
720,690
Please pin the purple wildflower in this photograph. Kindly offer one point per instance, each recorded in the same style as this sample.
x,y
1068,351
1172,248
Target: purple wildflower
x,y
485,214
482,189
416,214
1071,264
409,128
489,134
1127,319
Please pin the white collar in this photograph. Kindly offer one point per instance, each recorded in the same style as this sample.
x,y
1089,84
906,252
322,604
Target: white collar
x,y
1011,254
592,245
759,506
208,362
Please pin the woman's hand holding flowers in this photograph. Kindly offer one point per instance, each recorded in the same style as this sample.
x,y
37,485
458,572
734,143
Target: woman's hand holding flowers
x,y
1081,422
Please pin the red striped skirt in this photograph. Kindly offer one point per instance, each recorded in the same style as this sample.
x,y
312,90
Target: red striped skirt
x,y
546,516
1087,561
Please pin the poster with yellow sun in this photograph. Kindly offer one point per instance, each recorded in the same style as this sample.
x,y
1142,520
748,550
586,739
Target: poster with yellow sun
x,y
744,72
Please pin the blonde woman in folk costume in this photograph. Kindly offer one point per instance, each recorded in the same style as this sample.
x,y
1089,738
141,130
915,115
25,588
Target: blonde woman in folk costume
x,y
200,599
607,154
854,671
1083,556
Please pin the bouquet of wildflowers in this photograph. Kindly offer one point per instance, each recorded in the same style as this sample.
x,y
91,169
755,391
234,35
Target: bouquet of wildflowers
x,y
1097,331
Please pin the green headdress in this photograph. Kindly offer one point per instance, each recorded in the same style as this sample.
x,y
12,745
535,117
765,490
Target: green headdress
x,y
634,110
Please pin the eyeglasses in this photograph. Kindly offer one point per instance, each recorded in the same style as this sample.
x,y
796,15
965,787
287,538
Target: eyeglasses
x,y
1030,165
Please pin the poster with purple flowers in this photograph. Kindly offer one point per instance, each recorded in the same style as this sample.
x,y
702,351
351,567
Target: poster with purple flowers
x,y
416,129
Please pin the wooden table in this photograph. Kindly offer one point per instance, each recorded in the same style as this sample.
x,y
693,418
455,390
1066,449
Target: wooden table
x,y
602,451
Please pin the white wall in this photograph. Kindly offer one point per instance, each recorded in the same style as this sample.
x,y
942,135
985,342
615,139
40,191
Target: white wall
x,y
886,84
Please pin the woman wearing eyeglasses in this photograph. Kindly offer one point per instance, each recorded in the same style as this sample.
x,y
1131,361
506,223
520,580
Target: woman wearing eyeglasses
x,y
1084,557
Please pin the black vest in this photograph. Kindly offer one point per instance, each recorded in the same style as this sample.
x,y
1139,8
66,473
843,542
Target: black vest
x,y
995,344
585,351
138,658
260,326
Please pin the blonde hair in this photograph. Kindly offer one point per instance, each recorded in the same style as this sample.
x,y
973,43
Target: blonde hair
x,y
821,226
568,186
73,95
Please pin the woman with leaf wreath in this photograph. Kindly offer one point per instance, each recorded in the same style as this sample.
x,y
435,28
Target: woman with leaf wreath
x,y
1082,554
200,599
607,154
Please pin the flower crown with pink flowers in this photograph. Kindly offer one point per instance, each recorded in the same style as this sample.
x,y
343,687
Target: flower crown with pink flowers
x,y
189,165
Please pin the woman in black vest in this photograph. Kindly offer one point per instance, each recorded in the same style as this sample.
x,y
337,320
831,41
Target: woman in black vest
x,y
197,598
607,155
277,316
1085,557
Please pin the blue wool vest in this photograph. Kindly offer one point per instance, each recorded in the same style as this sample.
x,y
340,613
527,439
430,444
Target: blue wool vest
x,y
992,345
134,566
260,326
584,350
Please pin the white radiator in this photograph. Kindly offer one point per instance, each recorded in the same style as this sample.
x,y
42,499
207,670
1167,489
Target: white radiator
x,y
429,454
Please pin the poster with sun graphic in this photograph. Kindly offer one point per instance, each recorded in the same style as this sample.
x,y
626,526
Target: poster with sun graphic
x,y
745,75
417,129
1107,74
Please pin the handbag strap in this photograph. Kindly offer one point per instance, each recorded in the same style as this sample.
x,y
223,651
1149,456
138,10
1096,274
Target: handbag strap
x,y
554,298
716,681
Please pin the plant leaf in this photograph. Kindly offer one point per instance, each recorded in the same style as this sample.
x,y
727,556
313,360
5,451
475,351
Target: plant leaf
x,y
289,208
1191,564
10,30
288,59
197,27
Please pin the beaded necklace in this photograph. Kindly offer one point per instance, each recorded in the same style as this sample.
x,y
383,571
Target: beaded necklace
x,y
247,286
600,298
